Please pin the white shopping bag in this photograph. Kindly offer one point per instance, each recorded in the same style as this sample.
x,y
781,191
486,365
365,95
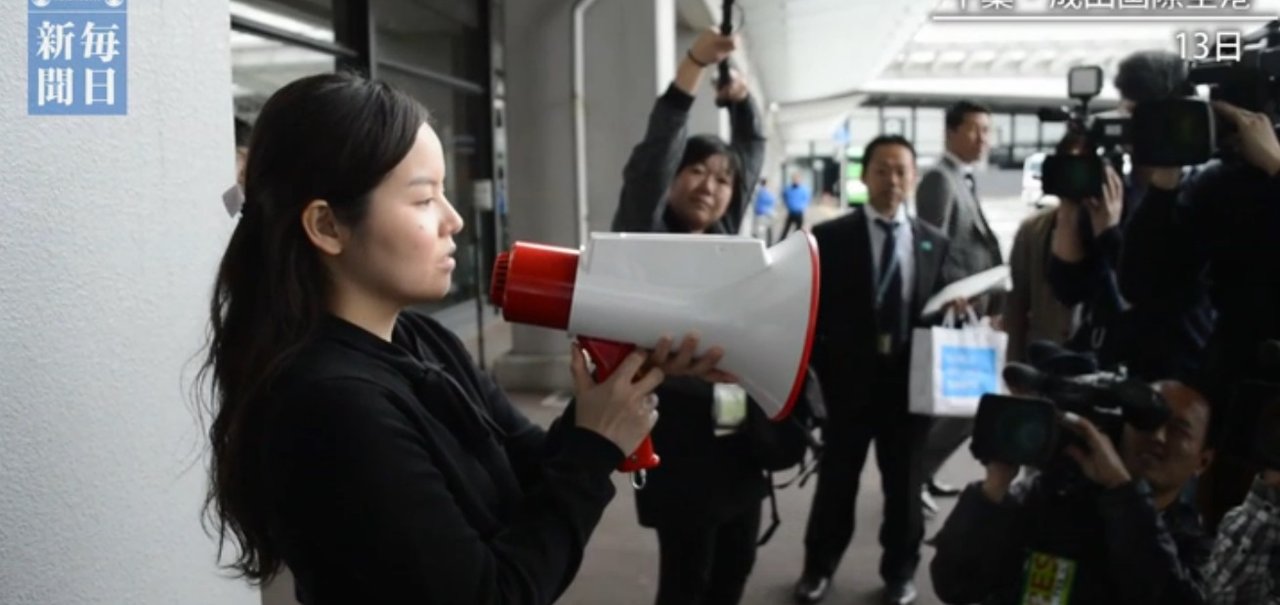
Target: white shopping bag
x,y
952,366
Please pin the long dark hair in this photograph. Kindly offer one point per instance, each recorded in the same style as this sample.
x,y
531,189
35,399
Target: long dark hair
x,y
332,137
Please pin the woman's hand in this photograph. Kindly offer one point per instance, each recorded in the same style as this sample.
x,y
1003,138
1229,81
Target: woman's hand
x,y
710,48
706,51
622,409
736,90
1105,213
1065,242
683,363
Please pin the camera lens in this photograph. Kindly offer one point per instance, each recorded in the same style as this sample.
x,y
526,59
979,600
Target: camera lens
x,y
1026,431
1015,430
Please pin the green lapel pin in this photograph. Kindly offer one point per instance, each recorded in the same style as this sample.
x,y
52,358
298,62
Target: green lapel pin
x,y
926,245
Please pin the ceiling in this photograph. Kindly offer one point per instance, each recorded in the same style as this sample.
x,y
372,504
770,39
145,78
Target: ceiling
x,y
821,59
810,49
815,61
261,66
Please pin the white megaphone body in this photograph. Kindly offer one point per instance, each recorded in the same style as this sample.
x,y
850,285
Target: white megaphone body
x,y
629,289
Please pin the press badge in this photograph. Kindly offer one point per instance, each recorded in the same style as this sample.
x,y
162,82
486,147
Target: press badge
x,y
730,407
1048,580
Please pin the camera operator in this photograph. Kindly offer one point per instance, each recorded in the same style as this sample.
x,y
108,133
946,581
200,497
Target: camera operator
x,y
1245,564
1141,542
1226,220
1159,335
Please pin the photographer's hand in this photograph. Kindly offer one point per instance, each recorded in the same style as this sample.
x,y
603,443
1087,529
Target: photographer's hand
x,y
999,477
1101,464
1065,243
1256,139
1105,213
1271,478
1165,178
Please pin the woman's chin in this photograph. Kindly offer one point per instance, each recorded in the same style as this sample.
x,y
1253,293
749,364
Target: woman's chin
x,y
698,220
435,291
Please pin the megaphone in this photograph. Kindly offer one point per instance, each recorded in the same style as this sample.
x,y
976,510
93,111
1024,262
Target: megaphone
x,y
624,290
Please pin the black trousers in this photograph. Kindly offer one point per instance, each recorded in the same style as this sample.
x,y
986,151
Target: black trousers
x,y
899,439
707,564
945,437
795,219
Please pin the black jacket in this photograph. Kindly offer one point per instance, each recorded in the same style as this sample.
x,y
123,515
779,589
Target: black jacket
x,y
844,346
1126,552
701,478
652,166
394,472
1224,220
1136,312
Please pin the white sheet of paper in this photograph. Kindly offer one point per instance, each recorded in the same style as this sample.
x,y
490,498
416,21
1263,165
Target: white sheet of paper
x,y
993,279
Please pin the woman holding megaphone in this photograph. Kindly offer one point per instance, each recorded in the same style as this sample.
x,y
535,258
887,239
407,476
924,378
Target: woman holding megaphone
x,y
353,440
704,499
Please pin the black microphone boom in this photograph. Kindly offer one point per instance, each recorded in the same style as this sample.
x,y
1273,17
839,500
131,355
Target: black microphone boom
x,y
1139,404
726,28
1022,377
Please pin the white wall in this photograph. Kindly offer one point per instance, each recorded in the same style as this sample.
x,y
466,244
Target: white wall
x,y
111,230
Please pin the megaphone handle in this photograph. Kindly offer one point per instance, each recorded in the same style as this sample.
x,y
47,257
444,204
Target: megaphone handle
x,y
607,356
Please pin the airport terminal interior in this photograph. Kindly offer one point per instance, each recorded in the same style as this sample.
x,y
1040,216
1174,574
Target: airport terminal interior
x,y
119,223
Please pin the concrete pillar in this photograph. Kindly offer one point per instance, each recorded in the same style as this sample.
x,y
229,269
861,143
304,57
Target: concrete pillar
x,y
627,64
114,226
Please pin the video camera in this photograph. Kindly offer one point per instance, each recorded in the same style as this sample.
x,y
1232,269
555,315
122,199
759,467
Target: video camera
x,y
1165,133
1078,176
1252,82
1170,132
1026,431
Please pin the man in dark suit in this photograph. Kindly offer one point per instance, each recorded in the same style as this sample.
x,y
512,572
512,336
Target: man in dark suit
x,y
878,268
948,199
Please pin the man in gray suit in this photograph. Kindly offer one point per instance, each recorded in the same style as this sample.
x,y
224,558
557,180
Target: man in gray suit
x,y
947,198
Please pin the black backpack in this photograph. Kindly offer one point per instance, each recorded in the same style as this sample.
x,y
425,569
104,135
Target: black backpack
x,y
779,446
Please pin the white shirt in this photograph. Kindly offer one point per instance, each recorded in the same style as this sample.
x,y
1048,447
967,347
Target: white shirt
x,y
965,167
905,241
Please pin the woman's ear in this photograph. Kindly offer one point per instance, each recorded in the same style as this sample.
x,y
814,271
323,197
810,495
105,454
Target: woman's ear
x,y
323,228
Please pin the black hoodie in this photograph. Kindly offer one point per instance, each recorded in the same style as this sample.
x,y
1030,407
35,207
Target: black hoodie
x,y
397,473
